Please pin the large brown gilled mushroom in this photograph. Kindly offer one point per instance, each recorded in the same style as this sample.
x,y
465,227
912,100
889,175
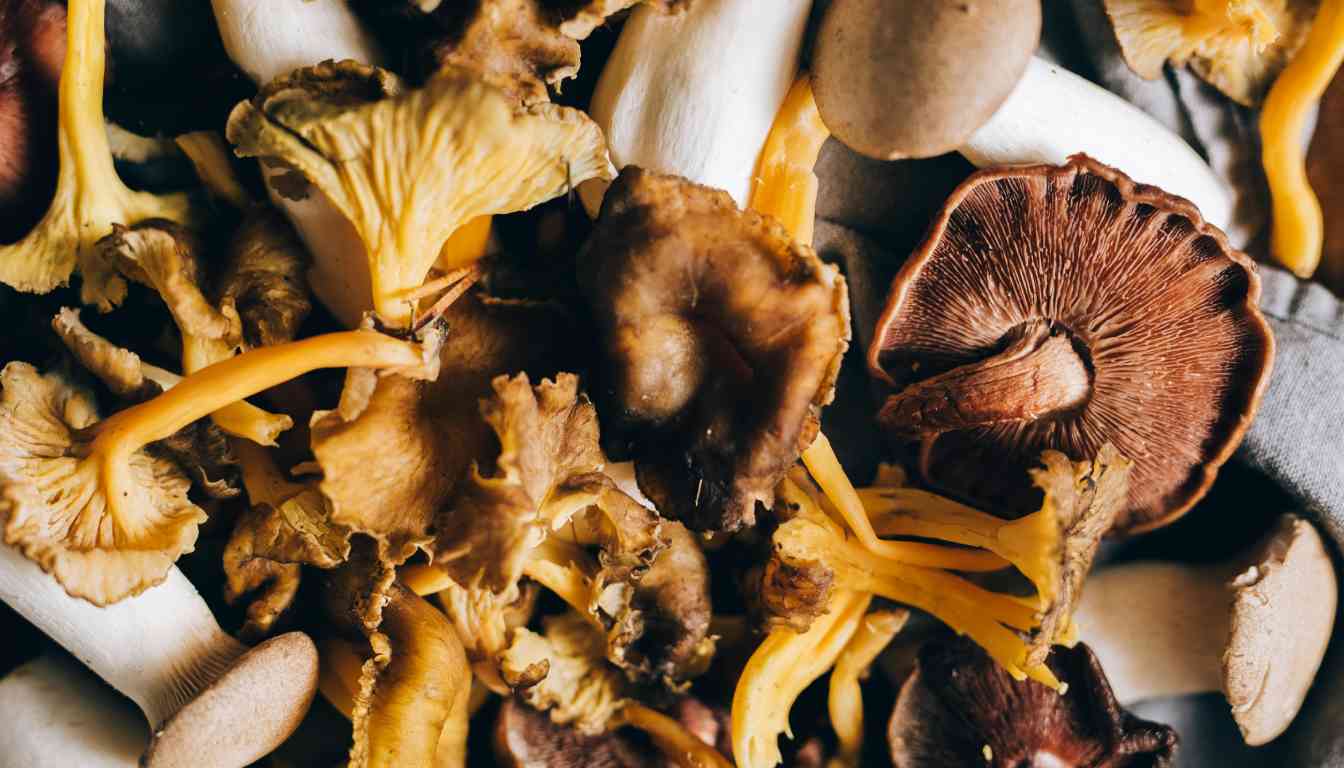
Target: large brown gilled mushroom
x,y
722,337
961,708
1061,307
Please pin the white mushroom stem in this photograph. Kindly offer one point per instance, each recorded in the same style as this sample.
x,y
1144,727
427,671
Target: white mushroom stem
x,y
271,38
57,715
1256,632
1053,113
164,651
695,94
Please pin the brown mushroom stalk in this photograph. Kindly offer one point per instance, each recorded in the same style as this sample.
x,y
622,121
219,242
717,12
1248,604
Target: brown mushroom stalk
x,y
1064,307
1255,627
682,748
1038,376
960,708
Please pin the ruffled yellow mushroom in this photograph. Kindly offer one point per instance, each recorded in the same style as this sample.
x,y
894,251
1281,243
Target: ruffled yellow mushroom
x,y
89,197
408,168
89,505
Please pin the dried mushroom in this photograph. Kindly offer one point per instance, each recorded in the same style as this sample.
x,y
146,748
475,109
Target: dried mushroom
x,y
564,672
90,198
1063,307
960,708
1238,46
521,45
264,280
428,161
723,339
390,466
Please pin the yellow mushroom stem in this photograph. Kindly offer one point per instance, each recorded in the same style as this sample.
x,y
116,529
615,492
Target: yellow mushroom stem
x,y
466,246
90,197
1021,542
845,701
1299,227
210,155
785,186
202,393
822,464
784,664
240,419
988,618
679,746
264,421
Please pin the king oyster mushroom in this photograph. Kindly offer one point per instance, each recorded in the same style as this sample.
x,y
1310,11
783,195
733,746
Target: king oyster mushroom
x,y
1255,628
960,708
1061,307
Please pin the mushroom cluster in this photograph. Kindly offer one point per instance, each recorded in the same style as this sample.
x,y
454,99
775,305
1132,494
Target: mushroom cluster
x,y
296,427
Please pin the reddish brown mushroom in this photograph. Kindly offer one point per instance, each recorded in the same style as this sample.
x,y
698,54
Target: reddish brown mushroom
x,y
961,708
722,337
1062,307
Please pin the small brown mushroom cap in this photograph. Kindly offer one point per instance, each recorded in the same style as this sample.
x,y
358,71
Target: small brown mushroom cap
x,y
1283,612
526,738
246,713
1062,307
723,339
912,78
961,708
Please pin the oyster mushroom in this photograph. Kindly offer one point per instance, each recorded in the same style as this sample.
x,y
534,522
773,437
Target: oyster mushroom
x,y
959,708
1063,307
1237,47
1255,628
723,339
208,699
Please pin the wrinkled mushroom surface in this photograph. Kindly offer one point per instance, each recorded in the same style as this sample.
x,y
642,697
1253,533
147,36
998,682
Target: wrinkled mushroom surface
x,y
960,708
1236,46
1062,307
722,338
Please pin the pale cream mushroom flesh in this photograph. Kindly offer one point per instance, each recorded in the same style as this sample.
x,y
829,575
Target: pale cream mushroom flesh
x,y
1255,628
58,714
210,701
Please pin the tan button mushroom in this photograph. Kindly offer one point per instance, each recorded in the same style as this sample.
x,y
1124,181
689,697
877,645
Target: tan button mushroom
x,y
1255,628
994,41
209,700
57,714
1061,307
893,79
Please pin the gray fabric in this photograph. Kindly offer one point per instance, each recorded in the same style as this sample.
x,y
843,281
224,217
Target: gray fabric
x,y
1297,438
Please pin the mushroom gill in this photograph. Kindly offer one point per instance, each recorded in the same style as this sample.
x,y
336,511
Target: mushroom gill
x,y
1062,307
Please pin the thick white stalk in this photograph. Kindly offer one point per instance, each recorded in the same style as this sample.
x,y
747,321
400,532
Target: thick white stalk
x,y
58,715
270,38
1053,113
1159,629
210,702
695,94
159,648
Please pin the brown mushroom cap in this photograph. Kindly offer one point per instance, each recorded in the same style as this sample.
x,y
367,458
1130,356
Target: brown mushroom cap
x,y
246,713
526,738
1061,307
961,708
723,340
876,62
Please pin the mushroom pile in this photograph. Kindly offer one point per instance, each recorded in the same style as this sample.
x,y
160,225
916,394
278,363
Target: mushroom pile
x,y
474,374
